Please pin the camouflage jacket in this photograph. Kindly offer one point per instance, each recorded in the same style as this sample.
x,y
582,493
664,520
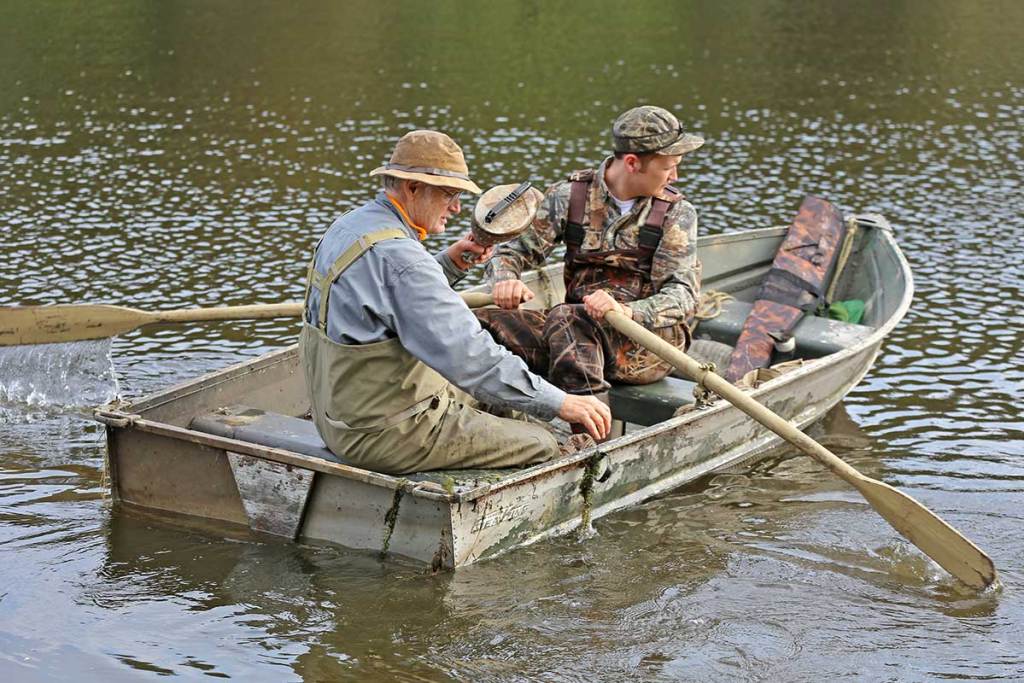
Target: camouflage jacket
x,y
675,269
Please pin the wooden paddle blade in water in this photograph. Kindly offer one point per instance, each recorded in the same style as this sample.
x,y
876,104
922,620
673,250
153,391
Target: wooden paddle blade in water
x,y
65,323
934,537
922,527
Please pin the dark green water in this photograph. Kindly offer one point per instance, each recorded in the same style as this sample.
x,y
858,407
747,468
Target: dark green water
x,y
189,154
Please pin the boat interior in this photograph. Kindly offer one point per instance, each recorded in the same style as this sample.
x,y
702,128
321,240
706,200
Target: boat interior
x,y
733,263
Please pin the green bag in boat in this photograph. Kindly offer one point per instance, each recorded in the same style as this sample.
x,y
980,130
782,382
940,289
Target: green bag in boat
x,y
849,311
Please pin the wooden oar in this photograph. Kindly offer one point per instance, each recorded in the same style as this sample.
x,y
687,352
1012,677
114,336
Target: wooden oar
x,y
477,299
78,322
922,527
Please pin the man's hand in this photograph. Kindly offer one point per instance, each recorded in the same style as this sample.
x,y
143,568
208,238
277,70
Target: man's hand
x,y
510,293
595,416
600,302
468,246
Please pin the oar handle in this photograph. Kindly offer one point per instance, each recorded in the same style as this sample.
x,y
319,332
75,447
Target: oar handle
x,y
477,299
738,398
257,311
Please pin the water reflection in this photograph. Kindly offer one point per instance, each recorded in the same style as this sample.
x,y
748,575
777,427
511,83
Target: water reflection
x,y
601,608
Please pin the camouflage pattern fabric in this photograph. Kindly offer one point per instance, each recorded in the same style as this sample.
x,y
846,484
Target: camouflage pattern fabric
x,y
796,284
665,297
754,350
575,352
652,129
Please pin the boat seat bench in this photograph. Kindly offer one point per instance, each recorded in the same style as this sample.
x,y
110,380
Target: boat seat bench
x,y
649,404
266,429
815,337
653,403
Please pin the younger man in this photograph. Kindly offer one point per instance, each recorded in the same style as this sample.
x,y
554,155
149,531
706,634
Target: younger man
x,y
630,247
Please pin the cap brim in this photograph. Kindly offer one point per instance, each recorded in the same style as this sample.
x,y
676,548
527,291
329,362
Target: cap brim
x,y
436,180
683,145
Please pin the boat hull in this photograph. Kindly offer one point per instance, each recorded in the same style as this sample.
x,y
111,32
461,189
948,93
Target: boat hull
x,y
156,462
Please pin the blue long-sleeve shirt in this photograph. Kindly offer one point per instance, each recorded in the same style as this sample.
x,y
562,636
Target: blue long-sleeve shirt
x,y
397,289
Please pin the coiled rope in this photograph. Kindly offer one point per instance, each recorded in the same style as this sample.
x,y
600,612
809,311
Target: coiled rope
x,y
710,306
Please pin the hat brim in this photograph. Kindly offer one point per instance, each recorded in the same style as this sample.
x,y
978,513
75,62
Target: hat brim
x,y
683,145
436,180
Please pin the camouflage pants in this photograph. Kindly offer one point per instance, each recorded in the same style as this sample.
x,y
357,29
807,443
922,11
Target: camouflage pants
x,y
576,353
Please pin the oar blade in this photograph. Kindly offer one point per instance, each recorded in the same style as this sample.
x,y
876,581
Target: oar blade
x,y
65,323
937,539
932,535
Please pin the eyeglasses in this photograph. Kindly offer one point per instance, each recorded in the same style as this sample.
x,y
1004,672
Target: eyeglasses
x,y
452,196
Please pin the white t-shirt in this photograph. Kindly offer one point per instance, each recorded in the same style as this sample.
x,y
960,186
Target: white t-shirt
x,y
624,206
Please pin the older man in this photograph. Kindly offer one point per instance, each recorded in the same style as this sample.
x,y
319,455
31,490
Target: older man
x,y
630,243
394,360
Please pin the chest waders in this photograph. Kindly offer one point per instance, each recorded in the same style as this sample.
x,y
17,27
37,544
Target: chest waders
x,y
381,408
626,273
376,390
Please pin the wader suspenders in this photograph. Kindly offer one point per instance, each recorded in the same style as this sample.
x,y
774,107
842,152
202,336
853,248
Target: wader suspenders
x,y
574,228
348,257
650,232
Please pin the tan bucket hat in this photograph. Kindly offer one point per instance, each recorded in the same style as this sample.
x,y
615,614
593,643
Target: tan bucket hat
x,y
429,157
511,222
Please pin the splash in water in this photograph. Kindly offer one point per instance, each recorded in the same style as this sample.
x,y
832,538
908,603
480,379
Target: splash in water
x,y
65,375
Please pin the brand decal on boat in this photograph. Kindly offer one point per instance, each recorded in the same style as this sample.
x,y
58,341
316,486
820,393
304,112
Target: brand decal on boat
x,y
499,516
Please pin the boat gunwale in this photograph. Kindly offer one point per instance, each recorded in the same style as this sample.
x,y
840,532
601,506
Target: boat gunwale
x,y
122,415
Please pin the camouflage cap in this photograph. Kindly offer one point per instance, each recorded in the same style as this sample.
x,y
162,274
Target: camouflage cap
x,y
652,129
